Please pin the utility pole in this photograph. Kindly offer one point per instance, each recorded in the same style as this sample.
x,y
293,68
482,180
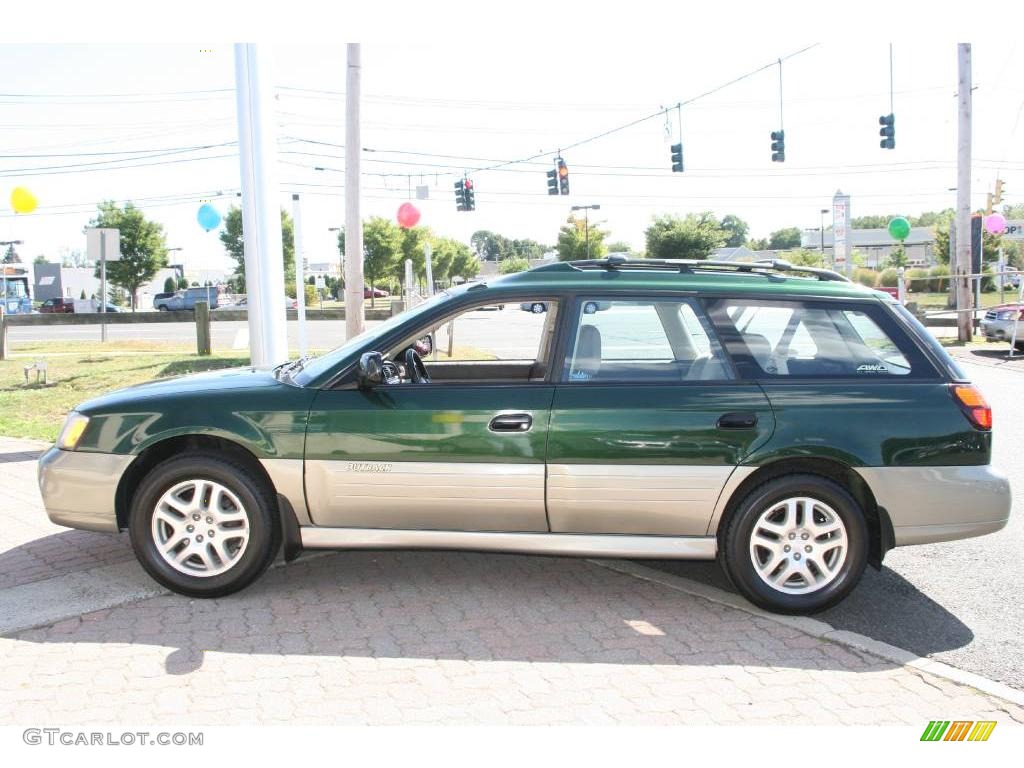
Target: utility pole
x,y
300,274
354,313
965,318
261,210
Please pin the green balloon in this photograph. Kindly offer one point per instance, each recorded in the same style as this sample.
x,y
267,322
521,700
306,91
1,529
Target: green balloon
x,y
899,228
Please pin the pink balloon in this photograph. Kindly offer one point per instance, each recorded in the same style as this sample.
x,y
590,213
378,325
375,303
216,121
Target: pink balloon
x,y
408,215
995,224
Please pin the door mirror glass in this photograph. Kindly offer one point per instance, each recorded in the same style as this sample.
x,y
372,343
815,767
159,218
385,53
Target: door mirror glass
x,y
371,370
425,345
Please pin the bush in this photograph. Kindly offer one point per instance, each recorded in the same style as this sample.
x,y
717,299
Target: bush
x,y
312,297
917,280
988,282
888,278
868,277
515,264
938,279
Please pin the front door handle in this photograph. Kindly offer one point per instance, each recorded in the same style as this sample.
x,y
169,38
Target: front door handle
x,y
511,422
737,420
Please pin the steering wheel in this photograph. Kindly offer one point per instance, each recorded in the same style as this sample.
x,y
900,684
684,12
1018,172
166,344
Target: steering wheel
x,y
417,370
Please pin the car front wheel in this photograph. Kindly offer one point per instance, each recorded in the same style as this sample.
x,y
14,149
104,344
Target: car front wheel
x,y
204,526
796,544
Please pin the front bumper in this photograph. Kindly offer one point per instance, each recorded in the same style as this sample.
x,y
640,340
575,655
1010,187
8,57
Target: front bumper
x,y
79,487
930,504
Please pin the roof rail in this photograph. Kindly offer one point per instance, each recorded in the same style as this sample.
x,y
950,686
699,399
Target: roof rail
x,y
692,266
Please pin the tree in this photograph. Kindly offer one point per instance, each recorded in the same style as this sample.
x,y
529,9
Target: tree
x,y
83,297
465,265
804,258
693,237
382,247
40,259
620,246
735,231
490,246
760,244
170,284
898,257
72,257
234,245
413,241
513,264
11,256
784,239
572,240
143,247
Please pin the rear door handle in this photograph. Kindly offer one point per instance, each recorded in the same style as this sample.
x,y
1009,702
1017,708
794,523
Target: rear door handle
x,y
737,420
511,422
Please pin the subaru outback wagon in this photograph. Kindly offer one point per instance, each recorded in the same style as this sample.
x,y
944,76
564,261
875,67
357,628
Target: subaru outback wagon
x,y
783,420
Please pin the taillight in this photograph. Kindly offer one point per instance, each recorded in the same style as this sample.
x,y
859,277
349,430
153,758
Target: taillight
x,y
973,404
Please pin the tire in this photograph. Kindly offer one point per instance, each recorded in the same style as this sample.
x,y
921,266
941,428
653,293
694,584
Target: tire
x,y
162,308
244,514
822,578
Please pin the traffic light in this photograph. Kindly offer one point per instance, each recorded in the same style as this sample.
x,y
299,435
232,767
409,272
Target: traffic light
x,y
563,177
552,182
469,195
778,146
887,131
460,195
998,197
677,157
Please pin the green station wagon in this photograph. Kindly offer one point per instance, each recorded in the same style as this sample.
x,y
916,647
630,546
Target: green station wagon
x,y
783,420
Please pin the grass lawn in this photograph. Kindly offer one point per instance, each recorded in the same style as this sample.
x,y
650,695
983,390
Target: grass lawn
x,y
81,370
932,302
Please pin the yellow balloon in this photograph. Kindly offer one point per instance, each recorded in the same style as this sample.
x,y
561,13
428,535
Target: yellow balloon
x,y
23,201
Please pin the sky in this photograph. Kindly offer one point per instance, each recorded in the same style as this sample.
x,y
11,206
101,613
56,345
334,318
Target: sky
x,y
433,110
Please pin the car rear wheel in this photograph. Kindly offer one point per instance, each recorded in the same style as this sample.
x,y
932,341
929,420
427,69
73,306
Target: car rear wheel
x,y
797,544
203,526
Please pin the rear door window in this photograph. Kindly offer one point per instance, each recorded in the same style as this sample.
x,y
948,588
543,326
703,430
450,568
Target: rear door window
x,y
816,339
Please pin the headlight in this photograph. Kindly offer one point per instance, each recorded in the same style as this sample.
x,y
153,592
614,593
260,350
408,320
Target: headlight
x,y
72,431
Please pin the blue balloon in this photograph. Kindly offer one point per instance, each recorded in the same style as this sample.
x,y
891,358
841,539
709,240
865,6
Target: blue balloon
x,y
208,216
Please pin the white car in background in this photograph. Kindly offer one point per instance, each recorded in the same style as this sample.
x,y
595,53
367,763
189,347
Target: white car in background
x,y
998,324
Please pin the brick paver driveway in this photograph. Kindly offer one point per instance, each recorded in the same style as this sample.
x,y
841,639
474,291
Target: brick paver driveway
x,y
417,638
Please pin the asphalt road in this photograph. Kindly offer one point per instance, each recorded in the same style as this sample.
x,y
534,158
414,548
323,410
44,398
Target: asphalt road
x,y
960,602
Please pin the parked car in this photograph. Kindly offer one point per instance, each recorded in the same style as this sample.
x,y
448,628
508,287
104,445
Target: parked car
x,y
58,305
999,322
789,423
537,307
377,293
160,299
188,298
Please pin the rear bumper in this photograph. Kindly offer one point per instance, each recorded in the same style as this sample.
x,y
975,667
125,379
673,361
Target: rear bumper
x,y
78,488
930,504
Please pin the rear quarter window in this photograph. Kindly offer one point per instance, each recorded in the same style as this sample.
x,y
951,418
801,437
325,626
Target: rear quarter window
x,y
816,339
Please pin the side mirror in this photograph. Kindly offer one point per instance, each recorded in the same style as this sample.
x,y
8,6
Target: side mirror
x,y
371,370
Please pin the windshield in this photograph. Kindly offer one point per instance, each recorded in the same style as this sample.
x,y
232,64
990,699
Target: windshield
x,y
318,366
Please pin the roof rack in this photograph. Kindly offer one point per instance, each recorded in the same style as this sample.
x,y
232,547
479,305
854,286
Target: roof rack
x,y
692,266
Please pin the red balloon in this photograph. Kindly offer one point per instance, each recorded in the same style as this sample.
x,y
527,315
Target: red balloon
x,y
408,215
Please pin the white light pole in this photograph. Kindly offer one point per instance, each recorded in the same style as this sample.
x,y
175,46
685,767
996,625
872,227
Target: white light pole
x,y
962,261
300,274
354,312
261,213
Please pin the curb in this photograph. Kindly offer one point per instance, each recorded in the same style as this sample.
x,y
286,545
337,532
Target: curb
x,y
821,630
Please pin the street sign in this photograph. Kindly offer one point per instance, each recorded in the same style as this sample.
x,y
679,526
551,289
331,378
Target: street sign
x,y
1014,229
113,245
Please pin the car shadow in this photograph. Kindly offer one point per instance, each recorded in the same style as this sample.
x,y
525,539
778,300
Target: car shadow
x,y
884,606
456,606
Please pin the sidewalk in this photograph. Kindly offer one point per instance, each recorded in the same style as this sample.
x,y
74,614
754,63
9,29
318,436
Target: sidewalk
x,y
388,638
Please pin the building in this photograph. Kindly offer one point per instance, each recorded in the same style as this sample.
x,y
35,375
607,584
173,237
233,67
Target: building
x,y
55,281
876,245
742,253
